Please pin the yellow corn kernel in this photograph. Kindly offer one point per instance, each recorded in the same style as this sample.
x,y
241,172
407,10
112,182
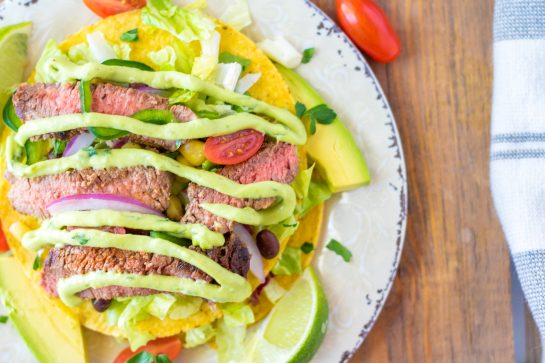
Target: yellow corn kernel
x,y
193,151
131,145
175,209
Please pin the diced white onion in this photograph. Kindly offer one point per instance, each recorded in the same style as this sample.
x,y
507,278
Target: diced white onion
x,y
246,82
227,75
99,47
281,51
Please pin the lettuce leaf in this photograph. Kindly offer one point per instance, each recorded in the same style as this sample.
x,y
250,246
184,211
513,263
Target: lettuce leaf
x,y
236,314
206,63
164,59
237,15
229,340
198,336
187,24
289,263
318,192
301,183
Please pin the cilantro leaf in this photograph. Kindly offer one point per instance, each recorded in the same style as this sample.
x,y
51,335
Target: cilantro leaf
x,y
312,126
300,109
307,248
308,54
130,35
143,357
226,57
162,358
91,151
37,262
339,249
3,319
81,239
322,114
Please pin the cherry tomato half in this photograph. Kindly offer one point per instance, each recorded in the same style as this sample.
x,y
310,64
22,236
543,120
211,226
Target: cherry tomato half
x,y
171,346
104,8
233,148
368,26
3,242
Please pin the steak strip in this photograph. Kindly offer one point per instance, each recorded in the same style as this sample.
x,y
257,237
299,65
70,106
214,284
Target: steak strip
x,y
75,260
36,101
146,184
274,161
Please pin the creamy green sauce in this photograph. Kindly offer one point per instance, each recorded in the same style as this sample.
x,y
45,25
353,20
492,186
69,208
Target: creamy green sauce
x,y
125,158
198,233
69,71
230,286
195,129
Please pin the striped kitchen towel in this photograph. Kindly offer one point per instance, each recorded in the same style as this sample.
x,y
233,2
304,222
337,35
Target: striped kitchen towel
x,y
517,167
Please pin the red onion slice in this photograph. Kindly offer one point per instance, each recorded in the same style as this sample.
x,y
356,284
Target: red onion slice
x,y
79,142
256,262
80,202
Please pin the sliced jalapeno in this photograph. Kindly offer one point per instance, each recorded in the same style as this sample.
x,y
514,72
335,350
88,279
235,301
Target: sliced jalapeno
x,y
166,236
153,116
10,117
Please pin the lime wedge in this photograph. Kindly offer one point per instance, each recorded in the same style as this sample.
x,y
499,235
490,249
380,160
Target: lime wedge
x,y
296,326
13,54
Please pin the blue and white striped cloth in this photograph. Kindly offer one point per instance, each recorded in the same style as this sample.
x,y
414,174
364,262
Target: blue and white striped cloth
x,y
518,141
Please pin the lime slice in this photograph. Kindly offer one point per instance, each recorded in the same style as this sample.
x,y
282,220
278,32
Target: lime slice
x,y
296,326
13,54
13,57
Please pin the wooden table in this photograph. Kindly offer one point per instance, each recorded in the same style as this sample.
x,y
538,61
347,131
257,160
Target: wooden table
x,y
451,301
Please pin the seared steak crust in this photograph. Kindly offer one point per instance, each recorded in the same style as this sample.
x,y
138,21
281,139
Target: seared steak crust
x,y
146,184
275,161
76,260
34,101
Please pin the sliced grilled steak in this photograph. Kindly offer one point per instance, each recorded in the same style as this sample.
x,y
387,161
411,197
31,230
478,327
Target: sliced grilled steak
x,y
275,161
76,260
34,101
148,185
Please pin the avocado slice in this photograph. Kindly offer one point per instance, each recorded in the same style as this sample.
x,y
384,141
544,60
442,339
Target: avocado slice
x,y
337,156
52,335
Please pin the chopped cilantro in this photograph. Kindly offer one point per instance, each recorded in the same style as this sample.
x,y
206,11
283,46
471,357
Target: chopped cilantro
x,y
226,57
300,109
339,249
290,225
322,114
91,151
3,319
162,358
307,248
145,357
130,35
312,126
81,239
308,54
37,261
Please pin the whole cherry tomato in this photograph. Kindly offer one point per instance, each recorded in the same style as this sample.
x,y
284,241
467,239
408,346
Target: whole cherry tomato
x,y
368,26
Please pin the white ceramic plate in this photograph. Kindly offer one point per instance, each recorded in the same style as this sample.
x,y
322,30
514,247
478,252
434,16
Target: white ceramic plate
x,y
369,221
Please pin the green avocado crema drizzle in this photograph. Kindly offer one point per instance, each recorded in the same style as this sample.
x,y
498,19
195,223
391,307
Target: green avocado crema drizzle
x,y
125,158
230,286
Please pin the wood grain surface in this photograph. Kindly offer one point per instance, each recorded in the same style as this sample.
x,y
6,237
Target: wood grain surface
x,y
451,299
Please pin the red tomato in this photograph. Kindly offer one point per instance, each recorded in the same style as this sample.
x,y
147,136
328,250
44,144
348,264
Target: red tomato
x,y
368,26
233,148
104,8
171,346
3,242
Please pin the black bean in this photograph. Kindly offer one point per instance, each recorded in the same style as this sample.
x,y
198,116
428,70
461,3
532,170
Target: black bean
x,y
268,244
101,305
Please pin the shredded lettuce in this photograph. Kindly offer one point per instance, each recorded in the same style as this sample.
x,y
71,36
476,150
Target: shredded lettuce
x,y
236,314
99,47
289,263
122,51
273,291
187,24
125,313
199,335
302,182
207,62
229,340
164,59
237,15
318,192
